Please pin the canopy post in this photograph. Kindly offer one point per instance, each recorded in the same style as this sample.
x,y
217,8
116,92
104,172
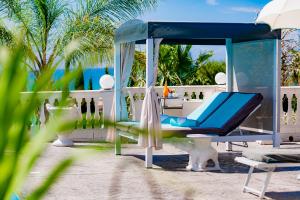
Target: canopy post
x,y
229,66
117,95
276,93
149,62
117,75
229,76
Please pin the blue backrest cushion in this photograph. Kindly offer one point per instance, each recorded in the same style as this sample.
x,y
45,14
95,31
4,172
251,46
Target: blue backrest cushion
x,y
183,122
208,107
233,111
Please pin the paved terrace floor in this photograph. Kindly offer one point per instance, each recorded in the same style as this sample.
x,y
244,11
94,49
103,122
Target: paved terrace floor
x,y
103,175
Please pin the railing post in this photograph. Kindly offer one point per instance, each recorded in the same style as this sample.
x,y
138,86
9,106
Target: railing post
x,y
42,114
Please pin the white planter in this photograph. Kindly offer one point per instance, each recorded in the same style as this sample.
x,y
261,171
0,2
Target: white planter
x,y
68,114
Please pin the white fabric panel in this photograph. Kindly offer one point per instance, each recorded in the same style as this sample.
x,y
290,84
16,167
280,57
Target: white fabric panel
x,y
150,121
127,57
155,58
256,76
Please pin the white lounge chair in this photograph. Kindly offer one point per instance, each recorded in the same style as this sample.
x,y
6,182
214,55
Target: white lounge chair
x,y
220,115
267,162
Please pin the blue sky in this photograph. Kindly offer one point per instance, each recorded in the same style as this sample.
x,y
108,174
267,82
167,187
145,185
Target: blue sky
x,y
206,11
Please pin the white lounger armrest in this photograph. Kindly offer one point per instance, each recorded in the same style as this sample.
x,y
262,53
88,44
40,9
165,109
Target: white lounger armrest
x,y
268,167
262,165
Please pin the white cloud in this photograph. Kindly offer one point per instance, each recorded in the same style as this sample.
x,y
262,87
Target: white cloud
x,y
212,2
245,9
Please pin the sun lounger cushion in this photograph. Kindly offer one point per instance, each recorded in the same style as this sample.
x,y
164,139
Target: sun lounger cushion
x,y
273,155
208,107
224,119
165,119
183,122
200,114
231,113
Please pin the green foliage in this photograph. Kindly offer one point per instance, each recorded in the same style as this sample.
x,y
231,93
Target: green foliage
x,y
79,82
294,69
20,147
174,64
53,26
106,70
205,73
290,58
177,67
138,73
90,84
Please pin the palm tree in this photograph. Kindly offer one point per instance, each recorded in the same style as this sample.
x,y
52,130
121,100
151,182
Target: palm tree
x,y
138,72
54,28
205,70
184,63
177,67
174,64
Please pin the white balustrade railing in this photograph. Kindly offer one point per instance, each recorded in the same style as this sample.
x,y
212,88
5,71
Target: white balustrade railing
x,y
200,92
95,106
290,114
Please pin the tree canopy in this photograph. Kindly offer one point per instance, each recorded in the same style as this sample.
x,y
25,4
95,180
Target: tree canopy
x,y
177,67
68,31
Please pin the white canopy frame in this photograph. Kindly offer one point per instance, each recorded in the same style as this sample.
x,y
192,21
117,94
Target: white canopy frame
x,y
151,75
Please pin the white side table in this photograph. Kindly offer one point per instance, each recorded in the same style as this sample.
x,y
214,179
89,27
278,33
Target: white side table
x,y
201,152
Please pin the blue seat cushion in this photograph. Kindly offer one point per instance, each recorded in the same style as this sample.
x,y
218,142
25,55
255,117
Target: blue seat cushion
x,y
232,112
165,119
183,122
208,107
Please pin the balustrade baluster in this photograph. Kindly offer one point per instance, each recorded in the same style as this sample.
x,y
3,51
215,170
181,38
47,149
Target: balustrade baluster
x,y
88,113
42,114
83,106
97,110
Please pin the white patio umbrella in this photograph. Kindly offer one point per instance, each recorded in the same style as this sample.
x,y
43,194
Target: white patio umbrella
x,y
281,14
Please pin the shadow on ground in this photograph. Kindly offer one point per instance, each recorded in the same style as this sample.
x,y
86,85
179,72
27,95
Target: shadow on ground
x,y
291,195
227,163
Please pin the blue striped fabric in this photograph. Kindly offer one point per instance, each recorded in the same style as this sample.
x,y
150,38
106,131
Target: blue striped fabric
x,y
227,110
208,107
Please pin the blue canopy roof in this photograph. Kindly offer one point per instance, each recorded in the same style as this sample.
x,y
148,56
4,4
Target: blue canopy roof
x,y
193,33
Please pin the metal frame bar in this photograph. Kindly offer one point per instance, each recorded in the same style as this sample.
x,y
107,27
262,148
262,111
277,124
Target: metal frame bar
x,y
149,82
276,94
260,193
229,76
267,167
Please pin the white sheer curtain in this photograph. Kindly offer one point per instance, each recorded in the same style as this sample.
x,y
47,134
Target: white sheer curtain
x,y
150,121
127,57
150,115
155,58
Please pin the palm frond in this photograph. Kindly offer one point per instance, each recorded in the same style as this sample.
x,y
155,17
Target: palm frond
x,y
115,10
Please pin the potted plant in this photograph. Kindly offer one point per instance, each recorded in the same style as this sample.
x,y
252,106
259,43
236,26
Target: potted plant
x,y
69,114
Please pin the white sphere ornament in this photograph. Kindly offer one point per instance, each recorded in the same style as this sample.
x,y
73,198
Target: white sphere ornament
x,y
220,78
106,82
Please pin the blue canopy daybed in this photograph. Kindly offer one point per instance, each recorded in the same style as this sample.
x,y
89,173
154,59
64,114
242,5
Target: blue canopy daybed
x,y
252,66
